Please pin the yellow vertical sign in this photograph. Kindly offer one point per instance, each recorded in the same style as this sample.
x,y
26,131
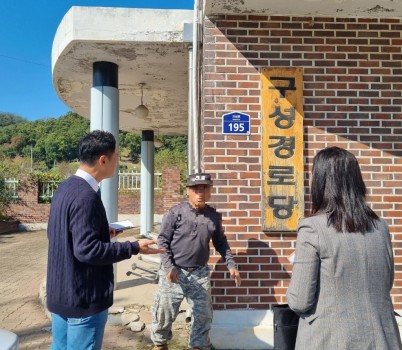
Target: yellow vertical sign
x,y
282,148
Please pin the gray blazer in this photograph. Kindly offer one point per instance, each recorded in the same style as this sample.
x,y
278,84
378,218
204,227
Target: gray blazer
x,y
341,286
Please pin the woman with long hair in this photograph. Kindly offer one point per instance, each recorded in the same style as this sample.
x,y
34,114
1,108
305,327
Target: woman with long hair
x,y
343,267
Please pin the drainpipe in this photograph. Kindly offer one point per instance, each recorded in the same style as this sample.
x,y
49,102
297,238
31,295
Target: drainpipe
x,y
195,89
191,131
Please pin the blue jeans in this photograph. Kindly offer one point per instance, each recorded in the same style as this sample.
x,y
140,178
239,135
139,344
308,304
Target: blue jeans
x,y
78,333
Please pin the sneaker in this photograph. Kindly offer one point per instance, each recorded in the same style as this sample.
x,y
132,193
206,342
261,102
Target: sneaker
x,y
160,347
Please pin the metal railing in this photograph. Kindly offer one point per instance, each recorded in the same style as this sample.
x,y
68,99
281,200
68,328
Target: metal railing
x,y
131,181
128,181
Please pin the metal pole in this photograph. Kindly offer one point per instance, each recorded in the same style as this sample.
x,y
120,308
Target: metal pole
x,y
31,158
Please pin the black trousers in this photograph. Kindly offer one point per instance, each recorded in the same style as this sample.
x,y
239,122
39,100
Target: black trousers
x,y
286,322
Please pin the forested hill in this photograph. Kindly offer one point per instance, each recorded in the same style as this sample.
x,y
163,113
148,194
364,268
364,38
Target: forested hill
x,y
54,140
9,119
50,140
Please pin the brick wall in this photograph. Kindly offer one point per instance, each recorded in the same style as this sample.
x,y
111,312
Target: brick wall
x,y
352,71
28,210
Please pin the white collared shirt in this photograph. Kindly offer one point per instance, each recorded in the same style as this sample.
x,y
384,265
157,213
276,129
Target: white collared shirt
x,y
88,178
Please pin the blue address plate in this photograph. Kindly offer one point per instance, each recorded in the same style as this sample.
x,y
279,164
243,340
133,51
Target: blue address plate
x,y
236,123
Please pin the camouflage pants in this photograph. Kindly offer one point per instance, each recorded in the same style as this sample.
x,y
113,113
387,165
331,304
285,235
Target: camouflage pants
x,y
195,286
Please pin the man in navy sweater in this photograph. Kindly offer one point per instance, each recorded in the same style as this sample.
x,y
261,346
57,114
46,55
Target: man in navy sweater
x,y
81,255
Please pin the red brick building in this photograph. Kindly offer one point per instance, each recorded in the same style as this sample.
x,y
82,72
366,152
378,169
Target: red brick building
x,y
352,70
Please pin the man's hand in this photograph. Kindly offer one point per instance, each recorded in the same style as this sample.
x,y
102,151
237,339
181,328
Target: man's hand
x,y
173,276
148,246
113,232
234,274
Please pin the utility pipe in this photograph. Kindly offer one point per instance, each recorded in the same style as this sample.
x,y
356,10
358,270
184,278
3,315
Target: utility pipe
x,y
195,90
191,131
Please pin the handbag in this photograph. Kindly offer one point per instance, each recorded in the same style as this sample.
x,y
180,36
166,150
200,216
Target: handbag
x,y
286,322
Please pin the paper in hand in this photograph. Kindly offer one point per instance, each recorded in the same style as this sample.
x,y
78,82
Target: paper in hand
x,y
121,225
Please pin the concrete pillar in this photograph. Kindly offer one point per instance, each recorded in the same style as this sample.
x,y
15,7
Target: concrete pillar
x,y
147,182
105,116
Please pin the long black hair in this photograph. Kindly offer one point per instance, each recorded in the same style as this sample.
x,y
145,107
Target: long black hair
x,y
338,189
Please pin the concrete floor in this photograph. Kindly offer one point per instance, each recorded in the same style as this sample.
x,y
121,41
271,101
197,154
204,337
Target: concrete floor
x,y
23,259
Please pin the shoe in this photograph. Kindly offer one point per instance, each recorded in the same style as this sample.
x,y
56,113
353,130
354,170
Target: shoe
x,y
160,347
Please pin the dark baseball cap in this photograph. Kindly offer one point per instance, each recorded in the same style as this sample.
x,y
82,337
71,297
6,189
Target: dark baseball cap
x,y
199,179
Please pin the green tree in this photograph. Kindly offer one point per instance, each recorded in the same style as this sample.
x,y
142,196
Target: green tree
x,y
173,158
7,169
132,143
10,119
48,141
177,143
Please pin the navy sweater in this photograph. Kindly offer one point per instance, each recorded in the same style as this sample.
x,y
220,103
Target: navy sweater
x,y
81,256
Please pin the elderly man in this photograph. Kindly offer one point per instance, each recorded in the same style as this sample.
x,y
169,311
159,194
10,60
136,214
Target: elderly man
x,y
185,233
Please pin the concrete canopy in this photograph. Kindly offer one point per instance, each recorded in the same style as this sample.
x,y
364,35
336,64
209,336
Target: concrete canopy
x,y
148,47
332,8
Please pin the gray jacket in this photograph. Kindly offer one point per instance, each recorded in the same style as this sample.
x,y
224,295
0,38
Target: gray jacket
x,y
186,234
341,286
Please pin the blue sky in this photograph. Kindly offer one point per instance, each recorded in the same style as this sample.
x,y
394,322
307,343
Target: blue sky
x,y
26,35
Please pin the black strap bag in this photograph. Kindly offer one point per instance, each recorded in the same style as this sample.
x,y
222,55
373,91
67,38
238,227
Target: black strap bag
x,y
286,322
